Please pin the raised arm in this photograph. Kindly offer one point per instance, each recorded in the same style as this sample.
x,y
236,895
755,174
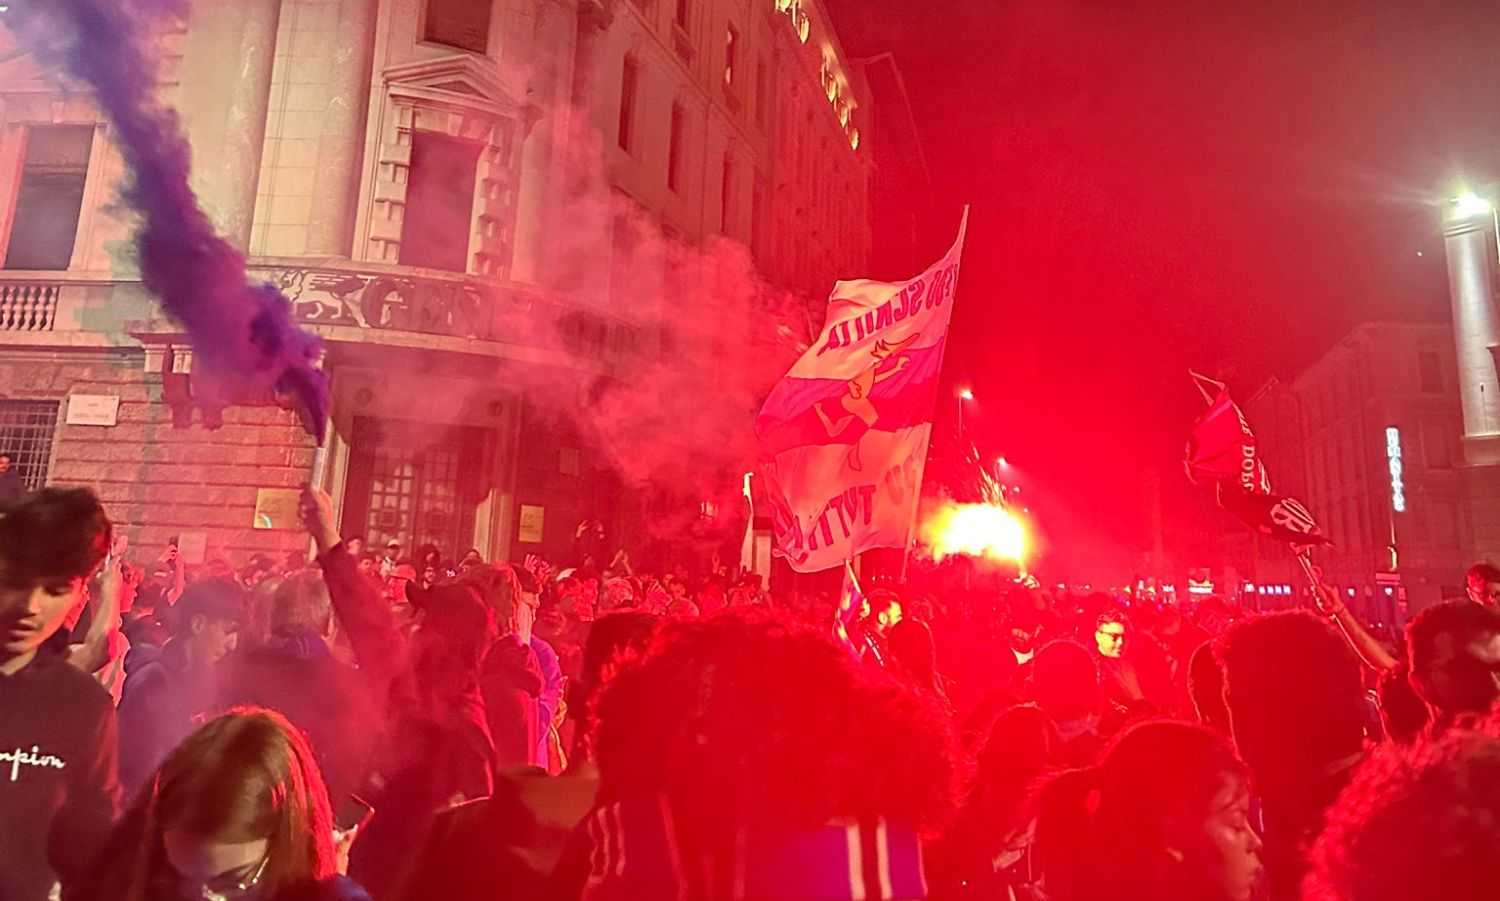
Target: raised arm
x,y
1372,652
99,644
379,647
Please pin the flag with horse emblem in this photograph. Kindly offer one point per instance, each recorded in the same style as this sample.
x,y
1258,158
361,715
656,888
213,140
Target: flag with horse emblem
x,y
844,435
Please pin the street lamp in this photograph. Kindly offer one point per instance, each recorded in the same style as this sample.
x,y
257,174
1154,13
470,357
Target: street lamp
x,y
1469,205
964,395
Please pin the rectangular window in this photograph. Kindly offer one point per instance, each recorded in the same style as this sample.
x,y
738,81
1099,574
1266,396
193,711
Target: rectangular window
x,y
50,197
414,482
1430,368
681,17
26,429
630,75
439,202
464,24
674,148
731,55
726,196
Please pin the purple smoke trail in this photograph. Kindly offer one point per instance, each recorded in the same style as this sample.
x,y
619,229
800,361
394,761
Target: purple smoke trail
x,y
241,333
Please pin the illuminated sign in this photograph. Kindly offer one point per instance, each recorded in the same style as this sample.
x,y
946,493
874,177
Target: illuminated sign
x,y
798,16
1393,463
835,90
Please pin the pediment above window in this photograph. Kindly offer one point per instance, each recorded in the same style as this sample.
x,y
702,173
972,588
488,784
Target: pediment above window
x,y
460,80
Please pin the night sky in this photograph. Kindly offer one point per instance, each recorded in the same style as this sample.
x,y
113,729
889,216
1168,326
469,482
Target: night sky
x,y
1161,188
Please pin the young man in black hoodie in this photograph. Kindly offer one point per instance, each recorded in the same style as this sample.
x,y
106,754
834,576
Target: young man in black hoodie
x,y
58,787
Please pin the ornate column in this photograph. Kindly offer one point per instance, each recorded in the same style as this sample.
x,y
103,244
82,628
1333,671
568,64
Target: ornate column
x,y
341,144
225,95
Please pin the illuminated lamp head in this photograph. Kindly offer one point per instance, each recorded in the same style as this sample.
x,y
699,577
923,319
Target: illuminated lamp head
x,y
1469,205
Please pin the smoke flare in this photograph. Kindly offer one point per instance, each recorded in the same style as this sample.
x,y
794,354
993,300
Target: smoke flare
x,y
245,344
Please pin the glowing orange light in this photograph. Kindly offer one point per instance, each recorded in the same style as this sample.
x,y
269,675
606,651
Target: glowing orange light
x,y
976,530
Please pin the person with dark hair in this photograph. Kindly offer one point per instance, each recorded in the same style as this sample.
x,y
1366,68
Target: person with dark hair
x,y
1118,676
1421,821
986,853
1065,685
166,687
58,754
237,810
1403,714
1163,816
744,756
1455,659
519,841
1205,684
1297,710
913,659
12,486
1482,584
295,673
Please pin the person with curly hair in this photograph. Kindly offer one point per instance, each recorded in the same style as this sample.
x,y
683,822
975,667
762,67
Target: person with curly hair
x,y
1416,822
1455,660
748,757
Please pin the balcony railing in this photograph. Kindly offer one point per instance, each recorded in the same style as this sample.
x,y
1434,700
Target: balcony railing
x,y
371,301
457,307
28,306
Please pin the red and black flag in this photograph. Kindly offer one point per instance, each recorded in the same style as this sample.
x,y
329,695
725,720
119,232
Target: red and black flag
x,y
1221,447
1222,452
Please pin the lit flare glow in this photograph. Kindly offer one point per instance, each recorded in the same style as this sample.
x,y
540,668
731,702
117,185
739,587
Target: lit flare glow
x,y
976,530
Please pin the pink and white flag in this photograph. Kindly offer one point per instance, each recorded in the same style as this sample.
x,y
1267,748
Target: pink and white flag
x,y
844,435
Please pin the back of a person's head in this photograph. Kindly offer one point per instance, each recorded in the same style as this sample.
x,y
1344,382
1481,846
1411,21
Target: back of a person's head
x,y
499,585
1481,574
742,719
615,639
1416,822
1065,680
1438,637
301,604
244,776
53,534
1205,684
1401,709
912,650
1295,695
1110,829
1015,754
456,622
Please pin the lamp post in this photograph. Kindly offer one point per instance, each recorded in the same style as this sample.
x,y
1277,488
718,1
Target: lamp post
x,y
964,396
1470,235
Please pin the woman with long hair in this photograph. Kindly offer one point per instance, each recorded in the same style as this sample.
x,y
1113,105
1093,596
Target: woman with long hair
x,y
913,659
985,853
1164,815
237,811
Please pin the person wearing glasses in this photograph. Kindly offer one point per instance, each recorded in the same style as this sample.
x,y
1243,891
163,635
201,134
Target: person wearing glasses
x,y
237,812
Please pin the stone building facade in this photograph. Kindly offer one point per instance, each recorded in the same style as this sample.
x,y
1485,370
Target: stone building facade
x,y
401,169
1368,437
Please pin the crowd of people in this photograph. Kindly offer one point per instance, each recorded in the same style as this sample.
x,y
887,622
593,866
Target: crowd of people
x,y
378,724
